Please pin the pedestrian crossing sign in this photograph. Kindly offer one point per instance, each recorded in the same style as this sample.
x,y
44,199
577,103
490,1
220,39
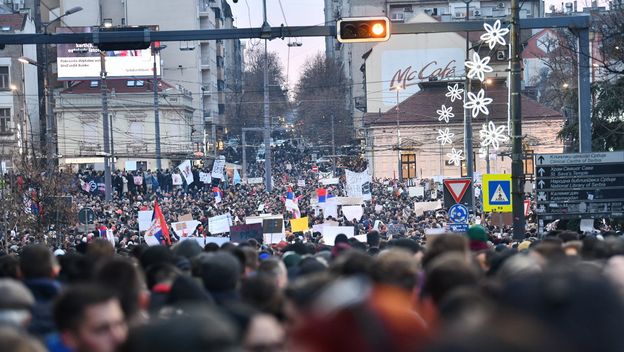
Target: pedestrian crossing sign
x,y
497,193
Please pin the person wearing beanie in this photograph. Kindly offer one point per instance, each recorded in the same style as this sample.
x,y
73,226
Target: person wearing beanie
x,y
477,238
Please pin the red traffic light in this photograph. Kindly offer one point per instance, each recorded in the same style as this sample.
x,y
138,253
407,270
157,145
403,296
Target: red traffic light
x,y
363,29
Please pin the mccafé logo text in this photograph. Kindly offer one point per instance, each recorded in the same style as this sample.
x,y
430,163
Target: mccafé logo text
x,y
409,77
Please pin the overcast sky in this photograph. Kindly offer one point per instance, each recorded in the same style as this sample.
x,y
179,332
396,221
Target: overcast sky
x,y
248,13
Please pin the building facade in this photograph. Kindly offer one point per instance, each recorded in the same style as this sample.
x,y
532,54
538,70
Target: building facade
x,y
195,67
79,114
19,107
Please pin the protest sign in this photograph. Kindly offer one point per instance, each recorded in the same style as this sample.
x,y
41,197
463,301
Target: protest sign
x,y
255,180
348,200
185,169
330,233
421,207
131,165
185,228
202,241
330,181
242,233
358,184
361,238
205,178
272,225
417,191
299,225
353,212
145,219
220,223
330,210
301,183
273,238
176,179
138,180
217,168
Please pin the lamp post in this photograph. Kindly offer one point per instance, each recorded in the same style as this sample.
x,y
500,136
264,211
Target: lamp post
x,y
155,51
468,117
398,88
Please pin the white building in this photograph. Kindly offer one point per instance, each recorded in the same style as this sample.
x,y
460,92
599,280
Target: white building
x,y
79,114
19,108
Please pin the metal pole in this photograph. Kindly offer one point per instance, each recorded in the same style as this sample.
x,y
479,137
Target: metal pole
x,y
156,114
267,124
487,149
517,186
468,119
112,139
213,132
399,171
105,130
244,157
584,92
48,114
205,147
333,146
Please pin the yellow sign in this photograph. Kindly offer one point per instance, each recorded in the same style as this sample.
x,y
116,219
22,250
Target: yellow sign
x,y
497,193
299,225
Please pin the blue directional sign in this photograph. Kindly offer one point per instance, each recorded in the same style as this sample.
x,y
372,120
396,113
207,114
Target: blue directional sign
x,y
458,228
458,213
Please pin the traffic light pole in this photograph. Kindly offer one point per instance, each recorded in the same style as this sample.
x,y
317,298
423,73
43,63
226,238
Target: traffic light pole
x,y
517,174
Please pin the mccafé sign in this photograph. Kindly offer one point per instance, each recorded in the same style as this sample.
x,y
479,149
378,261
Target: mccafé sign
x,y
430,71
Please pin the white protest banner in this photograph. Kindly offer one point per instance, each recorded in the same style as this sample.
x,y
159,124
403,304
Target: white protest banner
x,y
358,184
185,169
417,191
176,179
273,238
330,181
349,200
131,165
352,212
220,223
434,194
184,228
301,183
331,232
378,208
377,225
145,219
255,180
330,210
205,178
202,241
421,207
217,168
361,238
587,225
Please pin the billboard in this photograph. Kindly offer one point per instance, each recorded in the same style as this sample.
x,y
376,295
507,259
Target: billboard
x,y
82,61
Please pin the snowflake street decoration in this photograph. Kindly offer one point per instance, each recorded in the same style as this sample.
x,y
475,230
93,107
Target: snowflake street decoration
x,y
455,93
445,137
478,103
492,135
455,156
494,34
445,113
478,67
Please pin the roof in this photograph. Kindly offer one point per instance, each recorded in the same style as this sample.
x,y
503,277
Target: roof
x,y
421,107
119,85
14,21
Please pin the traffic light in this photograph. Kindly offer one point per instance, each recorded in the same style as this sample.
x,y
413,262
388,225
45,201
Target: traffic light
x,y
122,45
363,29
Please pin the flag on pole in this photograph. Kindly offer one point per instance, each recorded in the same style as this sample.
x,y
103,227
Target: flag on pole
x,y
321,193
158,232
217,194
291,203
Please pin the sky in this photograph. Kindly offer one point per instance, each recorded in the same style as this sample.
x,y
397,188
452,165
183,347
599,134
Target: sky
x,y
248,13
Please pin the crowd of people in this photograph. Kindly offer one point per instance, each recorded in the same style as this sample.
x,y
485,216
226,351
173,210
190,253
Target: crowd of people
x,y
411,289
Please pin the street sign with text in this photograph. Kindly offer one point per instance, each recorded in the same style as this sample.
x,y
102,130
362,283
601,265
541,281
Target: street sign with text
x,y
578,186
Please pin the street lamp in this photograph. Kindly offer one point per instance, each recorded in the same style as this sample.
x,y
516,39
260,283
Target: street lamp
x,y
155,51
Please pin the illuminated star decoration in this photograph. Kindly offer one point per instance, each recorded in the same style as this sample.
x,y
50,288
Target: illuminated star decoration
x,y
478,103
445,137
445,113
494,34
492,135
455,156
455,93
478,67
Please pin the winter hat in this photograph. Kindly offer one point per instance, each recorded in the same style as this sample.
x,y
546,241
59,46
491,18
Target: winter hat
x,y
477,233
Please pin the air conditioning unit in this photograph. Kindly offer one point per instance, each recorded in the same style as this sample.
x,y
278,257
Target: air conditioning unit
x,y
501,5
501,55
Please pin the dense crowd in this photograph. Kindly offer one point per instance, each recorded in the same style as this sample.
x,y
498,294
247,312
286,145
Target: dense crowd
x,y
405,290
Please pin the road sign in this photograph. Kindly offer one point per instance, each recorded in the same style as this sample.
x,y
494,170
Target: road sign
x,y
497,193
579,186
456,191
86,216
458,213
314,168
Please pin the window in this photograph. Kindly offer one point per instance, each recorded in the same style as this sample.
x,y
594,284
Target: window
x,y
140,83
5,121
94,84
408,166
4,77
130,83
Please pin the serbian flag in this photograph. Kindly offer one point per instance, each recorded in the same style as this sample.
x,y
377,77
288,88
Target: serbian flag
x,y
216,192
321,193
102,231
291,203
158,232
